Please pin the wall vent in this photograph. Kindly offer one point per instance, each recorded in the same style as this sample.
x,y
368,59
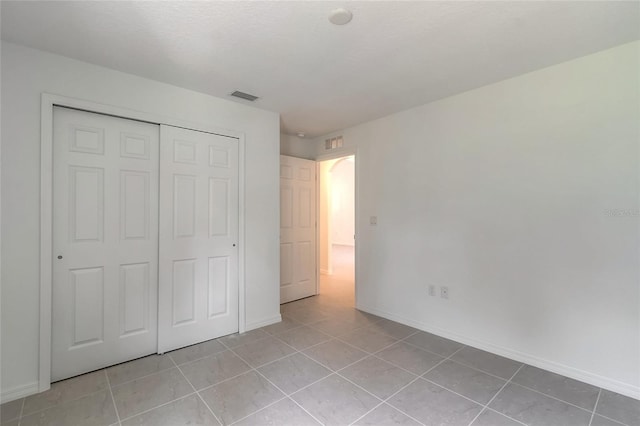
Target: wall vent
x,y
242,95
333,143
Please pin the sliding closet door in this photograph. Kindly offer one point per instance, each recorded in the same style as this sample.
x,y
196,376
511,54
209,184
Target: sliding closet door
x,y
105,241
198,237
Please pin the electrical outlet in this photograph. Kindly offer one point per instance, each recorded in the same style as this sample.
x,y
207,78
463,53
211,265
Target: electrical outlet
x,y
373,220
444,292
432,290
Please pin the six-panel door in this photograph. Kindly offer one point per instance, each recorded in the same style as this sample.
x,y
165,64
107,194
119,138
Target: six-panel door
x,y
198,237
105,241
297,228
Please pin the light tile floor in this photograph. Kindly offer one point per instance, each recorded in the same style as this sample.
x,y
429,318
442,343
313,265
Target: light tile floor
x,y
325,363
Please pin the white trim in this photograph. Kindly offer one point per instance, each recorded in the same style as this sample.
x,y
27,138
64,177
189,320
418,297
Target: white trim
x,y
264,322
343,152
48,101
565,370
356,224
318,195
242,318
19,392
46,240
334,154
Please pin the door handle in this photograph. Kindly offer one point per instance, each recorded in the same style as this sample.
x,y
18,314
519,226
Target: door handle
x,y
59,256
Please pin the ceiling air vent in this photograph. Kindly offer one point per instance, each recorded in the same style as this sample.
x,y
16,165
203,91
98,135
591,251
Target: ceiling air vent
x,y
333,143
243,95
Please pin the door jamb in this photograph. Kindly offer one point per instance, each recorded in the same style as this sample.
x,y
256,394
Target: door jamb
x,y
48,101
339,153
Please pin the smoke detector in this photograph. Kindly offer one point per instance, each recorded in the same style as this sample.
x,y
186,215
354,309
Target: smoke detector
x,y
340,16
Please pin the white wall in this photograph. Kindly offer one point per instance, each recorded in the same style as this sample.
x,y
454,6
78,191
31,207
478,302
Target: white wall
x,y
26,73
343,203
295,146
501,194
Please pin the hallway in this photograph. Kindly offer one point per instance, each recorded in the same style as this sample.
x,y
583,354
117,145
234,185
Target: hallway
x,y
339,287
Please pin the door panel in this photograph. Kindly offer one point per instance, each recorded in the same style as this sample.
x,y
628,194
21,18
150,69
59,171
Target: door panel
x,y
105,241
134,298
198,237
297,228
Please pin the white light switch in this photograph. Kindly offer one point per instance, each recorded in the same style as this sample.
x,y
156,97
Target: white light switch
x,y
373,220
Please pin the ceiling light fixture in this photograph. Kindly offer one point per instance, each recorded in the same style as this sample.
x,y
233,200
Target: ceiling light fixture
x,y
340,16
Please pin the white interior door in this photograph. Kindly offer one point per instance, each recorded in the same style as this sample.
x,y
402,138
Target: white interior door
x,y
297,228
198,237
105,241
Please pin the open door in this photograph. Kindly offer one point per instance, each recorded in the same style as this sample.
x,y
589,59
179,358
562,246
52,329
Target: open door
x,y
297,228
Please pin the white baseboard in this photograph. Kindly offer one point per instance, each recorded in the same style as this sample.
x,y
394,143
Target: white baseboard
x,y
565,370
263,323
18,392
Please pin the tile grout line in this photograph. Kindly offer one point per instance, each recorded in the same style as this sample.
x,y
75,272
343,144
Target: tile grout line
x,y
497,377
366,351
430,351
455,392
384,401
299,350
593,413
250,367
21,411
403,340
273,384
113,400
141,377
552,397
618,422
158,406
22,415
191,361
497,393
340,339
195,390
502,414
261,409
356,328
401,367
418,377
337,372
485,372
482,371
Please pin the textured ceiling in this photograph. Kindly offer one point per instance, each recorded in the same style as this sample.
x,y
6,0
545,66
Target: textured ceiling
x,y
321,77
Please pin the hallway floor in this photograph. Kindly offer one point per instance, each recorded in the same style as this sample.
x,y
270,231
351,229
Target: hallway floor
x,y
325,363
338,288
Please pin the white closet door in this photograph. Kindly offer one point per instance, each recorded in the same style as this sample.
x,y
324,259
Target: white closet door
x,y
105,241
297,228
198,237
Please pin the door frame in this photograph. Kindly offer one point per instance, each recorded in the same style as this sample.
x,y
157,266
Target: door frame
x,y
48,101
342,152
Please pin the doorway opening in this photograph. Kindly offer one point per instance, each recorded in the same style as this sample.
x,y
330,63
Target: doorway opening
x,y
336,230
